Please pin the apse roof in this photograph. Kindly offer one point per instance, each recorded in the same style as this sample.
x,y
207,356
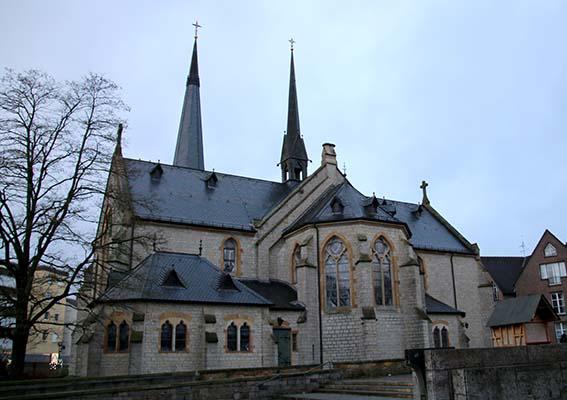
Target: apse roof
x,y
427,232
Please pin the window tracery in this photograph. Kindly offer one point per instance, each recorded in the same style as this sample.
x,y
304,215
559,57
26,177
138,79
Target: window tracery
x,y
337,274
382,273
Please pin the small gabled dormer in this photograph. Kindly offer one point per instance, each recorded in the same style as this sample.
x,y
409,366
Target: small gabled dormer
x,y
156,173
371,205
337,206
418,211
226,282
388,206
211,180
172,280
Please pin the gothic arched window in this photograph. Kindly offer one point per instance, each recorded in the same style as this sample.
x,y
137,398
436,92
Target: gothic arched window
x,y
166,336
111,337
436,337
123,336
229,255
337,274
180,336
382,273
444,337
231,337
245,337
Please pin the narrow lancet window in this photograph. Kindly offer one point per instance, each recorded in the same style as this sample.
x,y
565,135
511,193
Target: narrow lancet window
x,y
229,255
111,337
245,337
123,336
180,336
166,336
382,273
231,337
444,337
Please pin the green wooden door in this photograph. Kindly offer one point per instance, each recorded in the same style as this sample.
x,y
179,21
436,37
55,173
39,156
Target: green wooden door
x,y
283,340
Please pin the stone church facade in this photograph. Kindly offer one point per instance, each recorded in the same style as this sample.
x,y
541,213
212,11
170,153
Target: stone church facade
x,y
245,272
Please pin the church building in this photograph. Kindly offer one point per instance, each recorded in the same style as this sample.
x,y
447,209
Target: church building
x,y
244,272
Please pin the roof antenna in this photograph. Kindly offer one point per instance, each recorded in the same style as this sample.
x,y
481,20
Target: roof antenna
x,y
344,169
200,247
523,247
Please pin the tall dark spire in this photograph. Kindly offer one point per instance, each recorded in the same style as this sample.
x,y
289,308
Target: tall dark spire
x,y
294,158
189,149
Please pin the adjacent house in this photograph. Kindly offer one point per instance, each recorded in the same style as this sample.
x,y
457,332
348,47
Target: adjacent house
x,y
543,272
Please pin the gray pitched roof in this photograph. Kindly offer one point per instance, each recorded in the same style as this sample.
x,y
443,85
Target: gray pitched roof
x,y
505,271
353,203
181,195
434,306
521,309
426,231
282,295
201,282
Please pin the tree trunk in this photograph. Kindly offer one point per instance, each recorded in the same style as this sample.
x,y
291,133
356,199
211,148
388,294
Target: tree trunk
x,y
19,344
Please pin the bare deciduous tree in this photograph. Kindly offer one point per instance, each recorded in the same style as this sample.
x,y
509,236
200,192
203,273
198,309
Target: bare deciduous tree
x,y
56,143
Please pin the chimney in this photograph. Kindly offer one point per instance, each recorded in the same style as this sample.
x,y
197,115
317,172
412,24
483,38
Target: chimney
x,y
328,156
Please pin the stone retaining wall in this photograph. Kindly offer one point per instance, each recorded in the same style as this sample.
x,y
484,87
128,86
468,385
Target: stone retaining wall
x,y
526,372
261,386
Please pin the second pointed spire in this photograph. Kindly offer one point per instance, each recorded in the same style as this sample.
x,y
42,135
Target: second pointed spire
x,y
294,158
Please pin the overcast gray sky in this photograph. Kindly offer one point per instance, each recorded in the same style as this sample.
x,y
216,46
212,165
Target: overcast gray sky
x,y
470,96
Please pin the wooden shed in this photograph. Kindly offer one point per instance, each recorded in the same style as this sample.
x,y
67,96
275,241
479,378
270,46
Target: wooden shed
x,y
521,321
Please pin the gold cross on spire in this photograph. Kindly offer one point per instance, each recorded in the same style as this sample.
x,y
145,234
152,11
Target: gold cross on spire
x,y
291,41
197,26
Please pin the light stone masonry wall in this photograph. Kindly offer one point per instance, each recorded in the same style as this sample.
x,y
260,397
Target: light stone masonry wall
x,y
468,277
184,239
146,357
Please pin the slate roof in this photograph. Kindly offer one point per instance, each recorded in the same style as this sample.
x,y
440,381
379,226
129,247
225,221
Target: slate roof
x,y
181,195
427,232
353,208
202,282
521,309
505,271
434,306
282,295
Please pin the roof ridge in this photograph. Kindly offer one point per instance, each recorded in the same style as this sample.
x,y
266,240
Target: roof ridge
x,y
176,252
205,171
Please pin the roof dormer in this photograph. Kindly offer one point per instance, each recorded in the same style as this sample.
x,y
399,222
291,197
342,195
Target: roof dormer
x,y
172,280
371,205
156,172
337,206
211,180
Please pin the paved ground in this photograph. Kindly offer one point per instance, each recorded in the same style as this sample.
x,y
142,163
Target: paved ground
x,y
332,396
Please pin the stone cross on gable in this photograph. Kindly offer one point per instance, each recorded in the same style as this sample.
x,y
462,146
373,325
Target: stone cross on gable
x,y
197,26
425,200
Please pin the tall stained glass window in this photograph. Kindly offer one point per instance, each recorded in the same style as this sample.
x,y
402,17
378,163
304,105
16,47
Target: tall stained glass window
x,y
337,274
